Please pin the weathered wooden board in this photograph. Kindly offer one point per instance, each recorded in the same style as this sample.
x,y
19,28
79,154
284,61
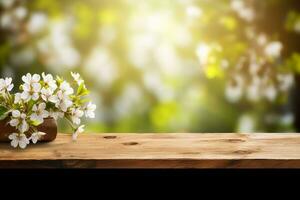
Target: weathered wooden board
x,y
218,150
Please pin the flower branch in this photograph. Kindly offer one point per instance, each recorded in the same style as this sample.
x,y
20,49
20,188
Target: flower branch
x,y
41,97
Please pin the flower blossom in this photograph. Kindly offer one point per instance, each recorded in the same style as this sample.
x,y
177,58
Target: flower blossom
x,y
39,113
19,121
31,87
18,140
76,114
77,78
36,136
90,110
79,130
49,81
6,85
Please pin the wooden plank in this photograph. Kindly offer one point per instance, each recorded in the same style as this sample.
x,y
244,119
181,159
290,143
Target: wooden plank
x,y
219,150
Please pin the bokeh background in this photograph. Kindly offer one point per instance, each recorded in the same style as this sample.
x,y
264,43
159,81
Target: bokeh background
x,y
165,65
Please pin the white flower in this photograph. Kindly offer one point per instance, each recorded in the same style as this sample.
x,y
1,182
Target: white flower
x,y
270,93
253,92
254,68
76,114
247,14
237,5
203,51
20,13
56,114
244,12
19,121
7,21
37,23
18,98
234,90
246,124
31,92
47,95
36,136
53,98
79,130
62,101
77,78
286,81
7,3
39,113
66,88
18,140
273,49
49,81
194,11
31,88
6,85
233,93
15,122
90,110
35,78
262,39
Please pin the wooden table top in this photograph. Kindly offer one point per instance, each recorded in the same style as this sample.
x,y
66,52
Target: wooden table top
x,y
174,150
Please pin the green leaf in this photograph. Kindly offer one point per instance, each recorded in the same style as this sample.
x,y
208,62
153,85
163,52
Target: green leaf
x,y
80,88
82,91
59,79
83,101
3,112
31,103
35,123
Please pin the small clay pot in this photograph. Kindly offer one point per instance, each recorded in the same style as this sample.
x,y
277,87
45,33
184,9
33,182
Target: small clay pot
x,y
49,127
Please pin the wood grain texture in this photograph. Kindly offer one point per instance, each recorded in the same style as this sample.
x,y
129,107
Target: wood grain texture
x,y
219,150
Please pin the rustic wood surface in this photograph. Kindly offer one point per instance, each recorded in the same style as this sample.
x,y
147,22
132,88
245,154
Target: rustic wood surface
x,y
260,150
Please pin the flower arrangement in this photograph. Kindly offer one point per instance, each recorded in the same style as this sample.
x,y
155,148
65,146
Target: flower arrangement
x,y
43,96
